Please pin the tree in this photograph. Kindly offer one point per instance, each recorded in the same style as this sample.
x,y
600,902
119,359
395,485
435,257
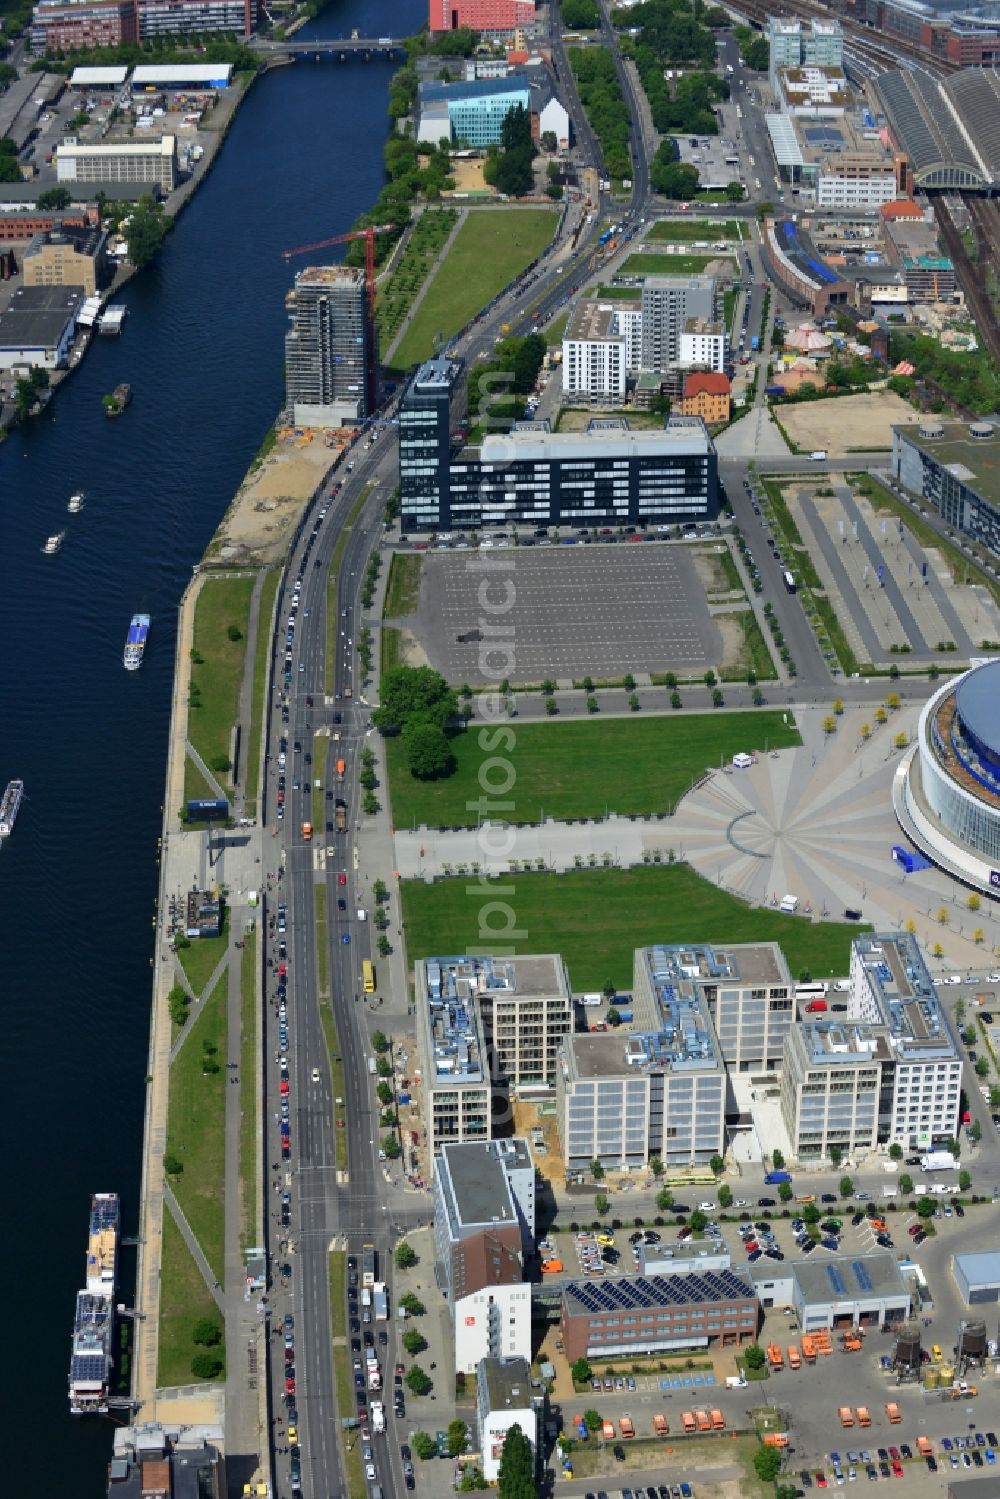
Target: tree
x,y
592,1420
383,1067
173,1165
664,1199
601,1204
725,1196
597,1171
964,1181
697,1222
767,1464
207,1365
671,178
811,1213
836,1155
754,1356
380,891
55,197
391,1146
428,752
412,1305
517,1466
613,1016
656,1166
512,172
145,231
406,1256
472,1479
207,1332
408,692
846,1186
926,1207
380,1042
418,1380
414,1341
975,1132
717,1165
549,141
458,1436
734,192
906,1184
982,1068
424,1445
974,902
895,1151
785,1191
777,1160
384,1093
581,1371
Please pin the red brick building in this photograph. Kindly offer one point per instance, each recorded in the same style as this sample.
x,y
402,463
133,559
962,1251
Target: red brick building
x,y
658,1313
490,17
706,394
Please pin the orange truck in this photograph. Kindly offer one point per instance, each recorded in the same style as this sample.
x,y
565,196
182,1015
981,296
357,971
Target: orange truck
x,y
660,1427
925,1446
704,1420
608,1430
718,1421
808,1349
864,1416
846,1416
851,1342
551,1267
628,1430
688,1421
893,1412
774,1357
307,831
794,1361
341,769
775,1439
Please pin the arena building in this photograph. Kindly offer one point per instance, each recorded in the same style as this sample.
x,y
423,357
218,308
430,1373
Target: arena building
x,y
946,791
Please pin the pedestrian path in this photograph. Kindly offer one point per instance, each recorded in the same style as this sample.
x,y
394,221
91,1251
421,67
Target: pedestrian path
x,y
197,1000
209,777
177,1213
431,274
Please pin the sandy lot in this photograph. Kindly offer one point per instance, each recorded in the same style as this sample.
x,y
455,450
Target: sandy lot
x,y
259,523
468,175
846,424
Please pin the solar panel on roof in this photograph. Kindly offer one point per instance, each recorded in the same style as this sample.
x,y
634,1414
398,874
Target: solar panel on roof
x,y
836,1280
861,1275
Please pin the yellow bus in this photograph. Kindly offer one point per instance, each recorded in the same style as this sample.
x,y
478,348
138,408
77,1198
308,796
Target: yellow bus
x,y
368,976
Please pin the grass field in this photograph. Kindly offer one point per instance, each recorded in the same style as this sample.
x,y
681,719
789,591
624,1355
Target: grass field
x,y
666,265
196,788
686,231
390,648
491,247
619,293
576,769
200,959
755,654
248,1094
597,917
402,592
184,1298
196,1112
261,649
217,667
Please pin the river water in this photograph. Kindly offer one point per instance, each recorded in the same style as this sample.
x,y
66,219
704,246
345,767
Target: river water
x,y
202,349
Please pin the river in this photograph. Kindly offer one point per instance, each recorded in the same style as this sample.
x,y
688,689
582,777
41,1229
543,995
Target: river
x,y
203,350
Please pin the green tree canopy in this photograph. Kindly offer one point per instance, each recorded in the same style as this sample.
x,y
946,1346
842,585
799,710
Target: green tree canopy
x,y
517,1467
458,1435
428,751
409,692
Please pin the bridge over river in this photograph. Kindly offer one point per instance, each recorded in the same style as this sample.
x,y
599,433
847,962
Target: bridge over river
x,y
331,49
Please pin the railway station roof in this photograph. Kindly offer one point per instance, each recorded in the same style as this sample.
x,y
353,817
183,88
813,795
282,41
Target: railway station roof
x,y
925,120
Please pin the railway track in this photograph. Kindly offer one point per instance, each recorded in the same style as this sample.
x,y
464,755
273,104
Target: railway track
x,y
984,215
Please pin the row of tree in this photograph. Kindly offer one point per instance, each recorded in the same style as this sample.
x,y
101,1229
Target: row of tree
x,y
601,97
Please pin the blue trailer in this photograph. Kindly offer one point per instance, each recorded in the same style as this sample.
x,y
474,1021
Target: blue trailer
x,y
755,343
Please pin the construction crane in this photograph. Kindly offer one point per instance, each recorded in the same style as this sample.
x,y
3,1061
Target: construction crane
x,y
368,235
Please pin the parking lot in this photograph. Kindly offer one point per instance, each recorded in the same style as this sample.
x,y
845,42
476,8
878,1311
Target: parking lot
x,y
581,610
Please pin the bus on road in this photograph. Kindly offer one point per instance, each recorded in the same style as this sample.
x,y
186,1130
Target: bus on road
x,y
789,582
368,976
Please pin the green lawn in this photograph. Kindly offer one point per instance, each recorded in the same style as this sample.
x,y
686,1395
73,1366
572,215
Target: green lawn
x,y
402,592
665,265
585,769
390,648
196,1112
619,293
491,247
686,231
196,788
184,1298
261,649
556,330
217,667
200,959
597,917
248,1094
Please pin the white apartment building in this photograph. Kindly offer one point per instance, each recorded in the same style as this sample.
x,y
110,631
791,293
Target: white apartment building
x,y
890,987
150,163
864,188
703,346
504,1399
493,1322
594,356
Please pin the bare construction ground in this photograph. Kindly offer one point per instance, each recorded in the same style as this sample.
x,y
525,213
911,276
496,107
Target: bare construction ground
x,y
846,424
597,611
258,525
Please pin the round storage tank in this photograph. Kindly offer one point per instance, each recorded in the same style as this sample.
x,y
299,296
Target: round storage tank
x,y
946,1373
982,431
931,1379
972,1340
930,430
908,1346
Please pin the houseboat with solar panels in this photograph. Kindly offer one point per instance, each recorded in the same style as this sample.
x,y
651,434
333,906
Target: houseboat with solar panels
x,y
135,642
94,1323
9,805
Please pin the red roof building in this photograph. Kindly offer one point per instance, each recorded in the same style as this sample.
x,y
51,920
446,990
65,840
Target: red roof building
x,y
706,394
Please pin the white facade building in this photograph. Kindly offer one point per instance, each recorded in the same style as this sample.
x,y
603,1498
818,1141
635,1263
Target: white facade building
x,y
494,1322
151,163
703,346
503,1400
553,116
594,356
867,190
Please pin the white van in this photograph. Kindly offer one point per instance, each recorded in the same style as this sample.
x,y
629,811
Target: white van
x,y
591,999
362,914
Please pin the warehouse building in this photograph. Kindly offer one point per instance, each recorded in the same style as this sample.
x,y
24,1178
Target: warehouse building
x,y
636,1315
978,1276
683,1257
37,327
66,257
868,1291
144,166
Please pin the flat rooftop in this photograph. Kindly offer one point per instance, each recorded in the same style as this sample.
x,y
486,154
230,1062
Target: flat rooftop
x,y
980,1267
479,1193
630,1292
662,1259
683,436
906,995
508,1383
330,275
593,320
37,316
864,1277
975,461
844,1041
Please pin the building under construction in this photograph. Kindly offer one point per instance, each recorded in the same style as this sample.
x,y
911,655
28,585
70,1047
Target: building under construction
x,y
326,358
